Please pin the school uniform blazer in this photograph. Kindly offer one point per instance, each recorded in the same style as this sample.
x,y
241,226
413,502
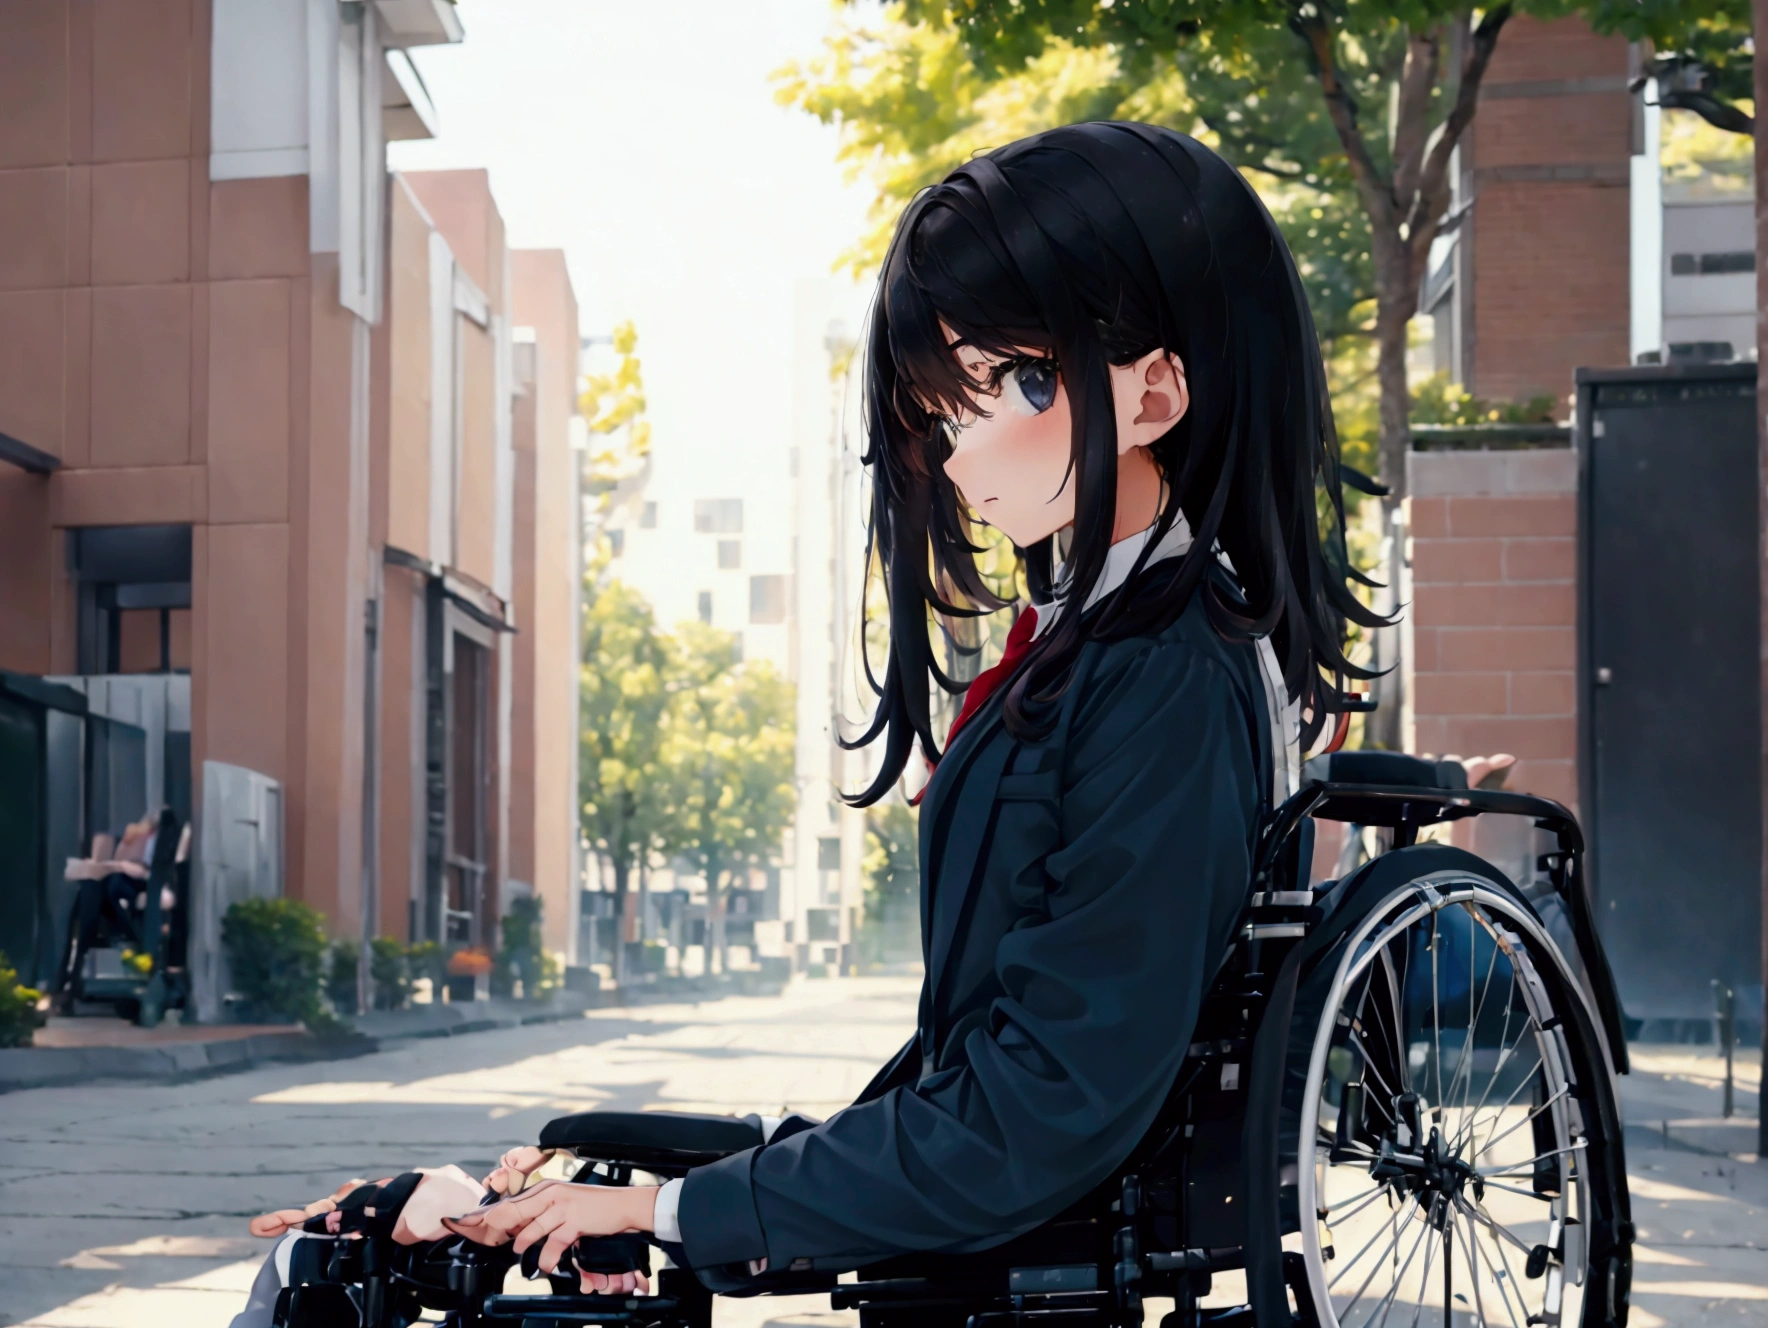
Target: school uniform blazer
x,y
1077,894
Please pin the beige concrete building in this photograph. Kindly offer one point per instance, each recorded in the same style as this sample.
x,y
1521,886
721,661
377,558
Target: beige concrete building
x,y
295,428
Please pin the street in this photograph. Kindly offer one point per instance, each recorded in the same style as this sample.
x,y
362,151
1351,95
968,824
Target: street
x,y
126,1205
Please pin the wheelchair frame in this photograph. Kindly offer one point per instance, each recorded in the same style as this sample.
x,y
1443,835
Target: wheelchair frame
x,y
1209,1190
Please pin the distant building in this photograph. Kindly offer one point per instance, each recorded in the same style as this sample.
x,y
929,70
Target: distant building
x,y
288,433
823,892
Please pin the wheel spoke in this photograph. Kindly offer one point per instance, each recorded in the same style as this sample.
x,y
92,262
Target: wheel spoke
x,y
1423,1230
1511,1189
1356,1039
1504,1282
1472,1249
1485,1219
1508,1172
1524,1121
1367,1197
1405,1210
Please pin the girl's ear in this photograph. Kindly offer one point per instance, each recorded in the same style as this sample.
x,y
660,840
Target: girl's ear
x,y
1151,395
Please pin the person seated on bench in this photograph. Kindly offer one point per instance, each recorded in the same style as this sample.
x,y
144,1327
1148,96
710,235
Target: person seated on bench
x,y
1095,341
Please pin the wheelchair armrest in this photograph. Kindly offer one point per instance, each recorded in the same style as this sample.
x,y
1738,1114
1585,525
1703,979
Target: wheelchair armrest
x,y
665,1142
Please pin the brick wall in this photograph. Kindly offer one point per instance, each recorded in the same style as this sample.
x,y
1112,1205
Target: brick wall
x,y
1493,613
1545,249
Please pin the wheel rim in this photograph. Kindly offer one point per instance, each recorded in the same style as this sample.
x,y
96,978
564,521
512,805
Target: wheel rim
x,y
1446,1182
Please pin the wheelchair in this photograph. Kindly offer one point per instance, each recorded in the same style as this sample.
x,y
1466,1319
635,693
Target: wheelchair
x,y
1398,1107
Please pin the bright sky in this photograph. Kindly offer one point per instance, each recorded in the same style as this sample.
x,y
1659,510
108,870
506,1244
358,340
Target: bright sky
x,y
641,137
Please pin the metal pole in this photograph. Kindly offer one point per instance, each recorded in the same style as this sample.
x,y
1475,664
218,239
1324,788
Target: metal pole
x,y
1760,15
1725,1033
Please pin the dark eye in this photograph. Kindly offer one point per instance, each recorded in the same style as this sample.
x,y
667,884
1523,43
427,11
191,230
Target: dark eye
x,y
1029,387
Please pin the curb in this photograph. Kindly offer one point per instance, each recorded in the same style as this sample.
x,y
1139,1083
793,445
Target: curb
x,y
58,1067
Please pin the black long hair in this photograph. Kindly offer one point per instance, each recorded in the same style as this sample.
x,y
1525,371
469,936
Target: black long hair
x,y
1096,244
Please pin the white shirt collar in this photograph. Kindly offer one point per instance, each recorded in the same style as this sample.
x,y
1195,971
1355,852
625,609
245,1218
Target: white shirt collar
x,y
1285,714
1119,559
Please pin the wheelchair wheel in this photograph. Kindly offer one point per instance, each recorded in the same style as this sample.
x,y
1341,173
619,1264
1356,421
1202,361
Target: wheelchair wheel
x,y
1459,1157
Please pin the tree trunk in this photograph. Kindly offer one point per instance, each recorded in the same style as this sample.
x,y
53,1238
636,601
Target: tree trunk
x,y
715,920
622,896
1393,318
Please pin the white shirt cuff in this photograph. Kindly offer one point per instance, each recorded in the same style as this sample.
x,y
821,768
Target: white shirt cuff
x,y
664,1219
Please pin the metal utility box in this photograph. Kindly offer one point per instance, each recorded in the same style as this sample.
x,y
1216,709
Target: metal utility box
x,y
1670,679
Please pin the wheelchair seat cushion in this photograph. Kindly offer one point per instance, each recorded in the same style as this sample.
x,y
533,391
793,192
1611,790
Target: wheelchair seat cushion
x,y
1392,769
669,1141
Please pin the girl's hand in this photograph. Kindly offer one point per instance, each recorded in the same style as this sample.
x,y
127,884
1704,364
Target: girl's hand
x,y
285,1219
560,1214
514,1168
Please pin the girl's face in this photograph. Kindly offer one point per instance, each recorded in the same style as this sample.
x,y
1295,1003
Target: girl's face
x,y
1012,464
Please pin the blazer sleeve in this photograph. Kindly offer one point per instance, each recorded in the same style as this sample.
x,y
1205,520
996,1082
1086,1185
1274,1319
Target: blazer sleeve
x,y
1058,1085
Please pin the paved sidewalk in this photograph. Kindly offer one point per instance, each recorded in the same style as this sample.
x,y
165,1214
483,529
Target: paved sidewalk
x,y
123,1206
1702,1257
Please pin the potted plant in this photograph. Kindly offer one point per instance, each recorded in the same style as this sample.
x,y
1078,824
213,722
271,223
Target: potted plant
x,y
469,975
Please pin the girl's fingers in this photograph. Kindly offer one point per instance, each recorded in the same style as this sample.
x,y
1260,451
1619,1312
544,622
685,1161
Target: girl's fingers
x,y
275,1224
539,1229
563,1236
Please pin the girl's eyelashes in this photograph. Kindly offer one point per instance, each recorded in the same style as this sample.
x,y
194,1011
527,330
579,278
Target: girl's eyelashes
x,y
1028,386
1027,383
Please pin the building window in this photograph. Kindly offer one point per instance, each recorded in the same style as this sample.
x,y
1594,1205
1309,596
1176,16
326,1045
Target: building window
x,y
705,606
718,516
828,854
730,554
132,608
767,599
647,517
1711,265
616,542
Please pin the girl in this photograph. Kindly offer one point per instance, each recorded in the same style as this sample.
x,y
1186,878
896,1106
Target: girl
x,y
1096,341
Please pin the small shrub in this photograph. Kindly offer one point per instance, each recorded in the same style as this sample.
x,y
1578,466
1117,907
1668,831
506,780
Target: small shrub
x,y
426,960
523,954
276,949
389,970
23,1010
340,978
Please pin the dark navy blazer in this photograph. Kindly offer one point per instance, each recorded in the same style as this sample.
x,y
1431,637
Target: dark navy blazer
x,y
1078,892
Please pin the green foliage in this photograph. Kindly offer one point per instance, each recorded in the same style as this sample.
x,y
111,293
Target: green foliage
x,y
613,406
523,954
1702,53
727,758
388,971
340,978
21,1008
276,949
892,864
684,749
623,693
426,960
1438,401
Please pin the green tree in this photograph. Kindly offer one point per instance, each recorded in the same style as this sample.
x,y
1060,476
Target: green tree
x,y
1346,114
892,868
624,694
613,406
728,752
913,104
